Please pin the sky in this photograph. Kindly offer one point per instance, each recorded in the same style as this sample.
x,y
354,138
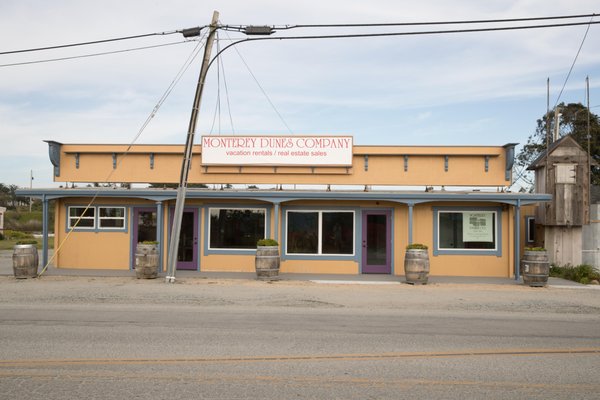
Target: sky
x,y
485,88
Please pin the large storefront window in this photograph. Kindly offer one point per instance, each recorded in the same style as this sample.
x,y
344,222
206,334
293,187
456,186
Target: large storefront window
x,y
236,228
320,232
466,231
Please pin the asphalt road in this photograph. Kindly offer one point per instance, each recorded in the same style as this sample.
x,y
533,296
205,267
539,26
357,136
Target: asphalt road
x,y
121,338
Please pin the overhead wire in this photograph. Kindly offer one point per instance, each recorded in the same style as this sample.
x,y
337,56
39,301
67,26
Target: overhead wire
x,y
62,46
425,23
573,64
92,54
185,66
257,83
217,112
226,92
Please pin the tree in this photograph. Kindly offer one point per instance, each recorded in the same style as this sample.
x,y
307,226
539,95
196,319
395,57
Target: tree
x,y
573,121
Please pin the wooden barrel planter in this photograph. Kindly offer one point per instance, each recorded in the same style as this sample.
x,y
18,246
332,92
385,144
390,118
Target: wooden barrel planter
x,y
25,261
535,268
416,265
146,261
267,260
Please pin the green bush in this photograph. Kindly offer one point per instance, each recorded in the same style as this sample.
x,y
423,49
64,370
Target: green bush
x,y
535,249
267,242
582,273
1,236
16,235
27,241
416,246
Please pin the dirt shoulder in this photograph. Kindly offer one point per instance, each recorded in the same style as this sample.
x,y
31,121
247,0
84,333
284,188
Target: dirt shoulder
x,y
299,295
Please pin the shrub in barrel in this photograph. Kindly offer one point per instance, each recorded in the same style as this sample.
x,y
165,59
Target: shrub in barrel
x,y
535,266
146,260
416,264
267,259
25,259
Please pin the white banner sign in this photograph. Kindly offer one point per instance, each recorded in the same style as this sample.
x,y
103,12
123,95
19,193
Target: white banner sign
x,y
477,227
277,150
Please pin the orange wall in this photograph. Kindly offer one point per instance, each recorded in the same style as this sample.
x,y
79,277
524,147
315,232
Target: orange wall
x,y
111,250
466,167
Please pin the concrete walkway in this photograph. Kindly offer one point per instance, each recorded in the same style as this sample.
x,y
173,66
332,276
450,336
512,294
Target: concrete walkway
x,y
6,270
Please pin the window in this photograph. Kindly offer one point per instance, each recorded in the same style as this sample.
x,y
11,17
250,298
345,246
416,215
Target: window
x,y
530,229
466,231
320,232
85,216
111,217
566,173
97,218
236,228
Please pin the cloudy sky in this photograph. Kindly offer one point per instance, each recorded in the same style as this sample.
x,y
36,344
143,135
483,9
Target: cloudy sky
x,y
459,89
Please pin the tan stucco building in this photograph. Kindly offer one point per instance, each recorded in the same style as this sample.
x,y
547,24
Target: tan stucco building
x,y
334,207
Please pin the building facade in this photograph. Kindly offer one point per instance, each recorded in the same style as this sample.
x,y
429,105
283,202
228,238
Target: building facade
x,y
334,207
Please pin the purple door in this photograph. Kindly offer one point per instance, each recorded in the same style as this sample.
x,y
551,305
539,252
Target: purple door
x,y
187,253
144,228
376,242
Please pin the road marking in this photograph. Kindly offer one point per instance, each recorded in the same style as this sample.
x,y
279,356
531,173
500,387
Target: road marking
x,y
315,357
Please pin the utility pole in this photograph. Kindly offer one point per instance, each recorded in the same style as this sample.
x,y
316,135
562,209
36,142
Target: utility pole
x,y
557,116
187,155
30,187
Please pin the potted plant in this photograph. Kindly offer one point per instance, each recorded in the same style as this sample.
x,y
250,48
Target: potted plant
x,y
146,260
267,259
535,266
25,259
416,264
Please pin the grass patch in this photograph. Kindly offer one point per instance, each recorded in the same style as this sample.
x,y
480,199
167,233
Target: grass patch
x,y
8,244
582,273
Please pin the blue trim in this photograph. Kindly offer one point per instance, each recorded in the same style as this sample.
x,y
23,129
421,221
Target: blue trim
x,y
280,196
160,234
96,227
44,231
276,224
206,230
410,222
517,240
467,252
324,208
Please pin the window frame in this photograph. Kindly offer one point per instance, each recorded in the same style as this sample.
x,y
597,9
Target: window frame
x,y
497,212
111,228
96,219
206,227
75,218
320,255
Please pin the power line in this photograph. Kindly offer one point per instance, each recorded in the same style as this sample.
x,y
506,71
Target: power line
x,y
92,54
410,33
373,25
573,64
62,46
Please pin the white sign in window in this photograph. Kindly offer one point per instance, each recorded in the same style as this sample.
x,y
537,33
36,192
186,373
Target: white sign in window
x,y
477,227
